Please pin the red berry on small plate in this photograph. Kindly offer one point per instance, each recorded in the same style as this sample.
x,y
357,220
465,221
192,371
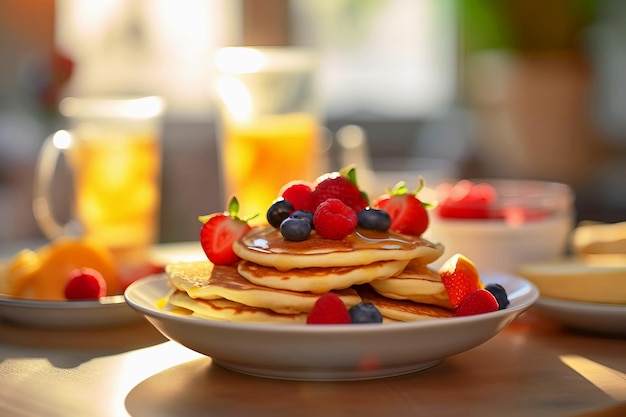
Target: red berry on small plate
x,y
220,231
85,284
329,309
478,302
334,220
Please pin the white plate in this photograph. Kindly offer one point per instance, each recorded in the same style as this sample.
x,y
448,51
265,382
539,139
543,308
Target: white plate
x,y
607,319
328,352
107,312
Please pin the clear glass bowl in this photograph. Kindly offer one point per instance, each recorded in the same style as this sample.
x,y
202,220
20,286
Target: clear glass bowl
x,y
528,221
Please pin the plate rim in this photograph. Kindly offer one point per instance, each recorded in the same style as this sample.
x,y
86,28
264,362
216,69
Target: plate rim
x,y
104,302
580,306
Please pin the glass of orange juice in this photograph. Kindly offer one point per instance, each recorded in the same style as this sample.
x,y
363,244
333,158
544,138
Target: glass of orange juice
x,y
113,149
269,122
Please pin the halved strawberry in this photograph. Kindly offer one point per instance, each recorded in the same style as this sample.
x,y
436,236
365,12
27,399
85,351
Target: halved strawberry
x,y
220,231
478,302
408,214
460,278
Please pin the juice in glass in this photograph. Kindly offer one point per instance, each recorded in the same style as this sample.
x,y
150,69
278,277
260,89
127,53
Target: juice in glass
x,y
113,148
117,192
269,122
260,156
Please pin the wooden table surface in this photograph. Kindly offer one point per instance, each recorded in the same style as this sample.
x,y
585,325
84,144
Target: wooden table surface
x,y
134,371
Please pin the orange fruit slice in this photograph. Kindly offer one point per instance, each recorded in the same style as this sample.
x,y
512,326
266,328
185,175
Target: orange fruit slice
x,y
20,271
55,262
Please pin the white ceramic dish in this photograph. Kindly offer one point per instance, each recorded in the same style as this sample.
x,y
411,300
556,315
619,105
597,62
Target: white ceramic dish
x,y
609,319
328,352
107,312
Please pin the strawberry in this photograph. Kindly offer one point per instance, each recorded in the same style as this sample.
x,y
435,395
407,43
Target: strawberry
x,y
299,194
220,231
478,302
329,309
467,200
85,284
460,278
334,220
341,185
408,214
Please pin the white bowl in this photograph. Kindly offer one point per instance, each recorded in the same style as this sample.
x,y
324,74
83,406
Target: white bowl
x,y
328,352
500,245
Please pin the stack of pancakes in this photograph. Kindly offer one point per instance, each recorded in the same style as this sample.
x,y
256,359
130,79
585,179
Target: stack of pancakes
x,y
279,281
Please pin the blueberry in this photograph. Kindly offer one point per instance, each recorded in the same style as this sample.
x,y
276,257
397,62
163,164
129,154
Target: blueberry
x,y
303,214
499,292
365,313
278,211
295,229
374,219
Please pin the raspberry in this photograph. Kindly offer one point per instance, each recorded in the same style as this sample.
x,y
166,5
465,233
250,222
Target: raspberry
x,y
85,284
329,309
299,194
336,185
334,220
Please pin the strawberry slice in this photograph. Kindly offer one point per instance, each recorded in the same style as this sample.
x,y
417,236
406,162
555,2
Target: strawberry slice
x,y
460,278
408,214
220,231
478,302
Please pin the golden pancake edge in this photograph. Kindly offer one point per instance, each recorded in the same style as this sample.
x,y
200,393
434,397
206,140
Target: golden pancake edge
x,y
319,280
227,310
265,246
203,280
402,310
417,282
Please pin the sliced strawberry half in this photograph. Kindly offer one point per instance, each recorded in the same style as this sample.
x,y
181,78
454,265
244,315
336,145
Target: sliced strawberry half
x,y
408,213
478,302
219,231
460,278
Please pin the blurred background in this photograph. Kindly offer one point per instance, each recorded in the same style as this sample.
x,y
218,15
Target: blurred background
x,y
493,88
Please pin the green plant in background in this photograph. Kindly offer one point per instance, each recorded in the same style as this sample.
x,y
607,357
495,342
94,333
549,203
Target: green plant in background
x,y
531,25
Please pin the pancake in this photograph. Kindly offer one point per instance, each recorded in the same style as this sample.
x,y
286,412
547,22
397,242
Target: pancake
x,y
319,280
418,283
203,280
402,310
265,246
226,310
591,279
